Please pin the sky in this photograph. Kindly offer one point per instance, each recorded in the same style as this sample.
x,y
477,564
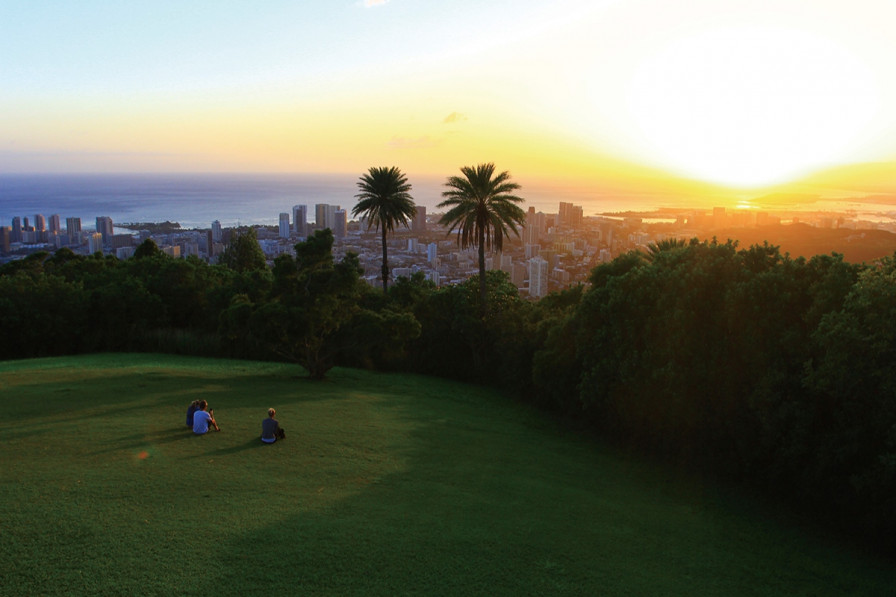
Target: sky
x,y
703,95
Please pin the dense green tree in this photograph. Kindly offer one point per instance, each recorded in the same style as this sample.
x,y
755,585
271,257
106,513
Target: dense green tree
x,y
385,200
148,248
457,341
243,253
483,209
409,291
313,298
41,315
854,381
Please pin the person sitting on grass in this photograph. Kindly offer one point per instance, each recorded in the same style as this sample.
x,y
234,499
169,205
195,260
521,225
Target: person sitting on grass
x,y
270,428
202,418
190,411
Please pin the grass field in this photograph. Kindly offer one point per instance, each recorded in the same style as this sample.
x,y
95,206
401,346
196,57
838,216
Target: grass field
x,y
385,485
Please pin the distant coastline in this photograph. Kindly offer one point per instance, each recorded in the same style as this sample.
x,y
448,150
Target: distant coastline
x,y
196,200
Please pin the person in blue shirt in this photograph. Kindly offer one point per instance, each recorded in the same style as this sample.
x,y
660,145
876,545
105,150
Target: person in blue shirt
x,y
202,419
270,428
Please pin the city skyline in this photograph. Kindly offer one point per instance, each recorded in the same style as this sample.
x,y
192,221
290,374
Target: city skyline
x,y
703,98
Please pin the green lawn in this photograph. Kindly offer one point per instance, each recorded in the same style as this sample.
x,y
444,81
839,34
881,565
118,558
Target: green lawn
x,y
386,484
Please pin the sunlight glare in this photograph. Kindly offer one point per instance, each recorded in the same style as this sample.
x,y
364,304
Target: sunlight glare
x,y
750,106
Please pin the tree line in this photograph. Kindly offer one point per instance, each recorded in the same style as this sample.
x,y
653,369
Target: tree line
x,y
742,363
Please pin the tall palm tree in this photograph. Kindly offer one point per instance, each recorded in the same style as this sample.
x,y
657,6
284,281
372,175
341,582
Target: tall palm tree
x,y
483,210
386,201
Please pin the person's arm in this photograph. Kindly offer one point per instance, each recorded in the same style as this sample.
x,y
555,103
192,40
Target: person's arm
x,y
211,419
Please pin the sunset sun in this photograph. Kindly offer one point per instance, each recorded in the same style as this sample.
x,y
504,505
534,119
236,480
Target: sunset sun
x,y
751,106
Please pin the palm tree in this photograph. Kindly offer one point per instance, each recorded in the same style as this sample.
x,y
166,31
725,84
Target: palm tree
x,y
483,209
386,201
667,244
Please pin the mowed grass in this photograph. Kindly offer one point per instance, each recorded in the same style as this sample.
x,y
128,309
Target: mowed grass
x,y
386,485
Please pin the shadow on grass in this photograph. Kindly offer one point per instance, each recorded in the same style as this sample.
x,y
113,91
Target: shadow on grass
x,y
139,440
255,442
497,508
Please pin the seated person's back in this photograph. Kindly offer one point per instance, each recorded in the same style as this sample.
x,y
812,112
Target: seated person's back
x,y
270,428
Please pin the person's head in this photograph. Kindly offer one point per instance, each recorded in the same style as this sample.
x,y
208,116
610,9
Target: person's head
x,y
271,412
196,403
203,405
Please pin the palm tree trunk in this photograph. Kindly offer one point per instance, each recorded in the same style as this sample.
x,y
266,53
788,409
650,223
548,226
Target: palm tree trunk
x,y
482,290
385,264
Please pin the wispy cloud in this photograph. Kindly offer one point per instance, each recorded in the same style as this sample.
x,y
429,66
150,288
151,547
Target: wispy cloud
x,y
424,142
454,117
373,3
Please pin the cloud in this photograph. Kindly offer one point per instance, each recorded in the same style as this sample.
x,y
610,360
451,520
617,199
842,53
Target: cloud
x,y
373,3
454,117
424,142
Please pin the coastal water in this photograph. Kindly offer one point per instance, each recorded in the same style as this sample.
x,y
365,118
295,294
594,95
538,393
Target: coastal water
x,y
195,200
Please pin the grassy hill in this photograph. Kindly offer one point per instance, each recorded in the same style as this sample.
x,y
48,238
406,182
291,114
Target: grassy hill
x,y
386,484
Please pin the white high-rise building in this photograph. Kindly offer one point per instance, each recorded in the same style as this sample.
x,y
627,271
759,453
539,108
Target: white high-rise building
x,y
538,277
54,223
217,233
432,252
284,225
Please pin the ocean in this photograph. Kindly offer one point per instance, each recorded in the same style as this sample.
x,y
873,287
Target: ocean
x,y
196,200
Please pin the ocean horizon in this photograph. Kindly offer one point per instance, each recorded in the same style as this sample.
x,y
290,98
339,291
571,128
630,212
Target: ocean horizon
x,y
196,200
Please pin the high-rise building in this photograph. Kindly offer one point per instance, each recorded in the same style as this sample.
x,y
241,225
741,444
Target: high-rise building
x,y
570,215
40,223
719,217
419,222
532,251
320,215
340,224
73,230
217,233
104,227
95,243
538,277
506,264
432,252
284,225
5,233
534,228
16,230
300,220
54,223
325,215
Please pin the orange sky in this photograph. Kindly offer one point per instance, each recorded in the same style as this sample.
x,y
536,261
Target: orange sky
x,y
707,97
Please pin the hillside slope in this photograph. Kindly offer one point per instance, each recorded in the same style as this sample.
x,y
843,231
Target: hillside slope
x,y
385,484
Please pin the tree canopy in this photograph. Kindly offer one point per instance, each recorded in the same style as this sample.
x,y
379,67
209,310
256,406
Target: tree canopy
x,y
385,201
483,209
